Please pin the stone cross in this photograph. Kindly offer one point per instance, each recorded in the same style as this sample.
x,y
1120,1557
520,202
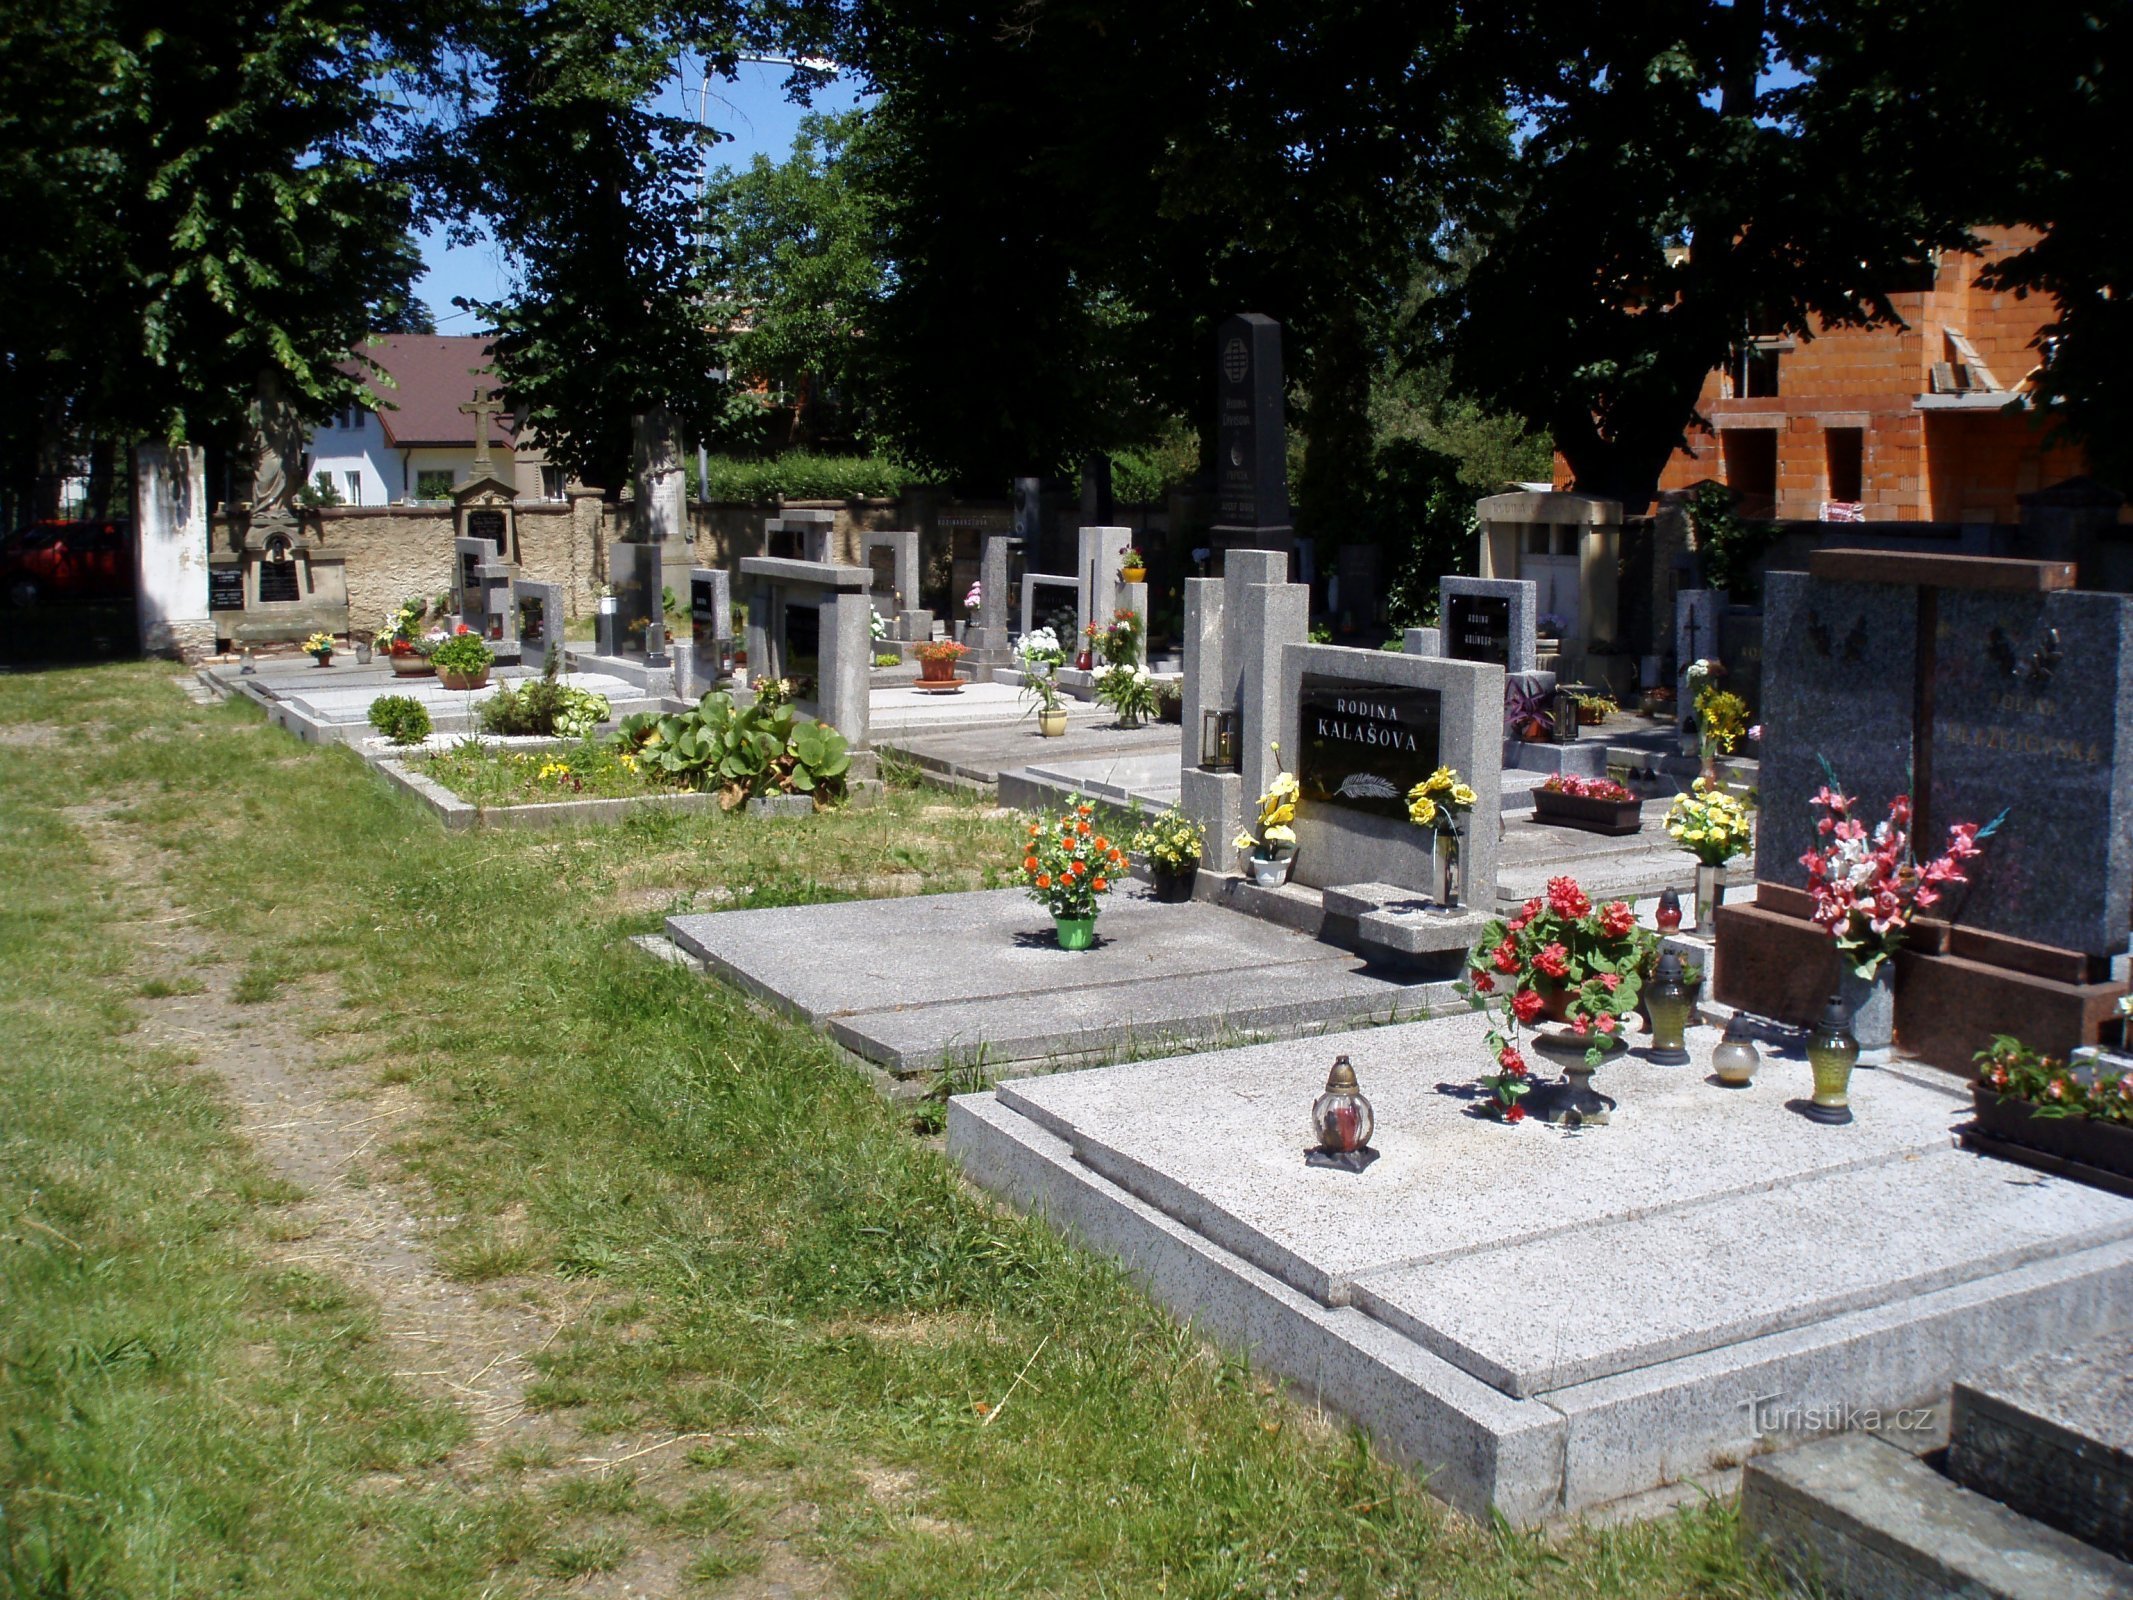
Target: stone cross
x,y
481,408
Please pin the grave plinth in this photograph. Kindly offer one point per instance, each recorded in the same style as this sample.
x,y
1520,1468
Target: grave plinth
x,y
1977,685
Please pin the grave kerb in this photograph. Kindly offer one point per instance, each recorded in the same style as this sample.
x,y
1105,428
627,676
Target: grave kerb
x,y
1346,843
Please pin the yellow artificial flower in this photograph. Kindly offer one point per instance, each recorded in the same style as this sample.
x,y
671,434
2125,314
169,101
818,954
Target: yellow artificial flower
x,y
1422,810
1462,795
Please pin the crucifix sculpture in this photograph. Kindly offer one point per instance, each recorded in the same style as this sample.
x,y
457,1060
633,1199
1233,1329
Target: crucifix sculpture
x,y
481,408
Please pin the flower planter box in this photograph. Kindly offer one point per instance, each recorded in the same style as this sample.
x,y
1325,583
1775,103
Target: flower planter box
x,y
2081,1148
1586,814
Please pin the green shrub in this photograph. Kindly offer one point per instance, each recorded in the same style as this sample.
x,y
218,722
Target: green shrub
x,y
1145,474
542,707
799,475
401,718
741,752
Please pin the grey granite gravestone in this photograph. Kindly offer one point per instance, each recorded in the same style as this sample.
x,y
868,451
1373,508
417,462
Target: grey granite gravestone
x,y
636,573
1097,568
2028,693
909,620
989,642
540,621
1696,614
1364,727
1251,440
1491,620
801,535
469,595
710,628
812,618
1236,627
1422,642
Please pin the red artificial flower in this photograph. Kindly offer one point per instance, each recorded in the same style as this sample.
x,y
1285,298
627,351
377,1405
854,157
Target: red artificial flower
x,y
1098,885
1482,982
1511,1061
1616,919
1553,961
1506,956
1514,1112
1527,1004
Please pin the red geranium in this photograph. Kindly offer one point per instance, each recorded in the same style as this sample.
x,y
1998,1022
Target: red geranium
x,y
1527,1003
1553,960
1616,918
1566,899
1481,982
1506,956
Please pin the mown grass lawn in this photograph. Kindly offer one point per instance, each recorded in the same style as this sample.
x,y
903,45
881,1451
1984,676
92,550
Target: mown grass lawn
x,y
922,1394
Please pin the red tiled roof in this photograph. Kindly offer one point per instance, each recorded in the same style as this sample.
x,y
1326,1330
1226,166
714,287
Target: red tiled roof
x,y
433,375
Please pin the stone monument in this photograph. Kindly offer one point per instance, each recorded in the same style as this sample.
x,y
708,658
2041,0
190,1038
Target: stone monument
x,y
1251,440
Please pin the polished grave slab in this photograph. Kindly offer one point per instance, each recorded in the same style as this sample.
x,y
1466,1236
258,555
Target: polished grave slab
x,y
1548,1320
916,984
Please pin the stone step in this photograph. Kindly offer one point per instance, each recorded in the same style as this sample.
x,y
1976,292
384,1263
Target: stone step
x,y
1858,1517
2052,1437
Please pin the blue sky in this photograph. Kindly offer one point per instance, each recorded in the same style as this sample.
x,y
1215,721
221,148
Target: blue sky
x,y
752,111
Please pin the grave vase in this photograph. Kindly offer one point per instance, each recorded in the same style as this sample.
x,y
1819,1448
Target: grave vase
x,y
1075,933
1710,895
1446,854
1872,1003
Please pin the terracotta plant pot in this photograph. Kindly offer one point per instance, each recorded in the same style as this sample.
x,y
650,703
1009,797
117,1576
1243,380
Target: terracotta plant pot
x,y
464,680
411,665
941,671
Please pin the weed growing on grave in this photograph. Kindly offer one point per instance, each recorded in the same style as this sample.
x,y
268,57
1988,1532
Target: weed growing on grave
x,y
849,1358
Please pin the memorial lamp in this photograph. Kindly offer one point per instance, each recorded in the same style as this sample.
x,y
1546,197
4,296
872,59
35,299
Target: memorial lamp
x,y
1218,741
1832,1052
1341,1118
1669,1001
1667,917
1735,1059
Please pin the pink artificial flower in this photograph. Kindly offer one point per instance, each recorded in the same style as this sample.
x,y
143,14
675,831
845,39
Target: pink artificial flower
x,y
1553,960
1605,1022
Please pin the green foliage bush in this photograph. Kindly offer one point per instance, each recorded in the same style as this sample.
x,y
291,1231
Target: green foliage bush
x,y
401,718
1145,474
544,707
465,653
798,475
742,752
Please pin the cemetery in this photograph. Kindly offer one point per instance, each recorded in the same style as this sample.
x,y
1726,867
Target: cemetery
x,y
1279,804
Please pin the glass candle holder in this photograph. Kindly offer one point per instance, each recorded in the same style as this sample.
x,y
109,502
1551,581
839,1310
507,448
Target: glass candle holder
x,y
1735,1060
1669,1001
1341,1118
1832,1052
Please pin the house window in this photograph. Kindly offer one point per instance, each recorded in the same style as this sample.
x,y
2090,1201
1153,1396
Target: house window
x,y
433,483
1846,450
1756,378
1752,468
551,483
354,480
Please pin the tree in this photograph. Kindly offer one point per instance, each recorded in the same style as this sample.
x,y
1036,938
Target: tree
x,y
560,150
209,207
1689,174
794,274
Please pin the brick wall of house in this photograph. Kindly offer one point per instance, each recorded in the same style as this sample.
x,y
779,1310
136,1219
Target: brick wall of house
x,y
1916,464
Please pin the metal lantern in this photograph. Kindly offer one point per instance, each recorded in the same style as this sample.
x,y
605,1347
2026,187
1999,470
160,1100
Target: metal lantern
x,y
1218,741
1669,1001
1832,1052
1735,1060
1564,715
1341,1121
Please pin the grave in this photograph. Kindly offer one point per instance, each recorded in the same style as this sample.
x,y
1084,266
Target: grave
x,y
637,573
809,620
1507,1308
1570,547
482,594
1251,439
801,535
918,984
1975,685
541,612
896,583
990,646
277,588
710,629
1490,619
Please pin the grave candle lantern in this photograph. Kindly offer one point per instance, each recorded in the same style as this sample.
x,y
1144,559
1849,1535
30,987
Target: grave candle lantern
x,y
1668,999
1832,1052
1341,1118
1218,741
1668,915
1735,1059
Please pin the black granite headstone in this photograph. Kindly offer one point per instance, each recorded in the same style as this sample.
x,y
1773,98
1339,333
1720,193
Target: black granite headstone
x,y
225,588
487,525
1251,441
803,640
703,619
1364,745
1477,627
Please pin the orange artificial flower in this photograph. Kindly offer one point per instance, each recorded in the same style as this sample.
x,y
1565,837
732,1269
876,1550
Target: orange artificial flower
x,y
1098,885
1086,810
1102,843
1081,828
1029,864
1043,881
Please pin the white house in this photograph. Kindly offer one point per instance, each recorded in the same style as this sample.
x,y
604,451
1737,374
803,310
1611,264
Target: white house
x,y
417,445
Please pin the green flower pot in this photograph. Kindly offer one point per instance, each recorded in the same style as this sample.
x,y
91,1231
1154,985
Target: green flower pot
x,y
1075,933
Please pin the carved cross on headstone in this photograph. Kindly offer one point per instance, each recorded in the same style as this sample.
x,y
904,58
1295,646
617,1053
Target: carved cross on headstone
x,y
481,408
1692,630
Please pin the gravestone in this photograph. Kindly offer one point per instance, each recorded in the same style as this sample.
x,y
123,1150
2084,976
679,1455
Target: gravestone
x,y
1366,726
801,535
1251,438
892,559
1696,614
1740,651
1422,641
989,643
1974,685
1236,627
1492,620
470,594
1097,566
485,508
811,619
710,627
1359,571
540,608
636,572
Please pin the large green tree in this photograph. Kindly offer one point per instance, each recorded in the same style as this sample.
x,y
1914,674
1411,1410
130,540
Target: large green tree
x,y
198,202
562,150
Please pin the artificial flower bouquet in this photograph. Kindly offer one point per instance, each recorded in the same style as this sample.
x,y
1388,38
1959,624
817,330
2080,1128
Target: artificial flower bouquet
x,y
1709,823
1277,814
1067,865
1170,839
1561,956
1440,801
1867,886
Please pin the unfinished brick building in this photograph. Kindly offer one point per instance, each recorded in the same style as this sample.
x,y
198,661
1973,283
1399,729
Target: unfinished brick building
x,y
1904,424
